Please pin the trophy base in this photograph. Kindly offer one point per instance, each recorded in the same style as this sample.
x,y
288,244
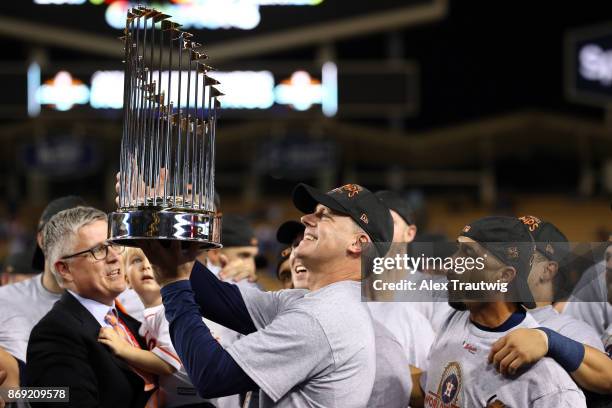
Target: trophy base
x,y
130,226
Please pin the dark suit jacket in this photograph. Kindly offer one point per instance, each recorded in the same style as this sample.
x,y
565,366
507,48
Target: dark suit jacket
x,y
64,351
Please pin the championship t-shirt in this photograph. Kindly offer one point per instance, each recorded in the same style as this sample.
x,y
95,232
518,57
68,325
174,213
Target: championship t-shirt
x,y
311,349
459,374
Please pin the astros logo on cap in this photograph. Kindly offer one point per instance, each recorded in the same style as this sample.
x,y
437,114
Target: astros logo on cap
x,y
351,189
531,222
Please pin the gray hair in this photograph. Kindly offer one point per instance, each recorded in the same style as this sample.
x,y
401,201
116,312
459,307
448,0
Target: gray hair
x,y
61,230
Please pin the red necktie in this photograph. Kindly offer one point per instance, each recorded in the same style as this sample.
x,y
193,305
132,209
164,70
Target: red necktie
x,y
111,319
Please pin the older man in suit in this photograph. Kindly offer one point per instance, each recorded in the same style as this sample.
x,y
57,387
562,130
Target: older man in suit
x,y
63,349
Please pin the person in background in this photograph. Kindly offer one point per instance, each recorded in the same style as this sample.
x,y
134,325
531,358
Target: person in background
x,y
283,269
17,268
546,277
24,303
404,234
404,319
290,233
459,371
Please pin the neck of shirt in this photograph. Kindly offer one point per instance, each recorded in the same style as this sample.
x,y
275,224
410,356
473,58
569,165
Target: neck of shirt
x,y
514,320
98,310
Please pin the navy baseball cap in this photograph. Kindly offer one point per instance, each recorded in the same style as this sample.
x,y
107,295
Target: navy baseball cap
x,y
354,201
55,206
286,234
509,240
289,231
396,203
549,240
236,231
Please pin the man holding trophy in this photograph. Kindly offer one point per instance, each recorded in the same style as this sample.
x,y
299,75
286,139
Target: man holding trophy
x,y
300,348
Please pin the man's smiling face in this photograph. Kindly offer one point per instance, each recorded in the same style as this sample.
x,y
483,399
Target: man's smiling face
x,y
327,235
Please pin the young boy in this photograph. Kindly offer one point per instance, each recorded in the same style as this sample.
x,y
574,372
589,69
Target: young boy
x,y
175,387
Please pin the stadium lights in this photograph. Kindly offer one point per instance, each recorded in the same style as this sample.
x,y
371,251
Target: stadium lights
x,y
63,92
243,90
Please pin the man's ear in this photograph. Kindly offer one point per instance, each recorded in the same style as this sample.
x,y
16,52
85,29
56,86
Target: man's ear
x,y
356,247
63,270
39,238
507,274
549,271
409,233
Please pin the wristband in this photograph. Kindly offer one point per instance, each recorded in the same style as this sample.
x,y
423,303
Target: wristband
x,y
565,351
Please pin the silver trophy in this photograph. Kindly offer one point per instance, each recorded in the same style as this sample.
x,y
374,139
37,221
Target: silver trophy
x,y
167,163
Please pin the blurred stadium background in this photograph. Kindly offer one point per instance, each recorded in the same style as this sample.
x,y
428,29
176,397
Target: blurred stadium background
x,y
465,107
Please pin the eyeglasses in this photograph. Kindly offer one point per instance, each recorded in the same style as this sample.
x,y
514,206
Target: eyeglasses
x,y
99,252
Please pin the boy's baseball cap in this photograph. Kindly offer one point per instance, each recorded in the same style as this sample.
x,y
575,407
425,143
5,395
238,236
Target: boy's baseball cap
x,y
549,240
396,203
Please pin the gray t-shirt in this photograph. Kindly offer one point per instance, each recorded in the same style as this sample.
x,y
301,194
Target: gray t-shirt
x,y
411,329
22,305
589,301
460,375
311,349
393,382
568,326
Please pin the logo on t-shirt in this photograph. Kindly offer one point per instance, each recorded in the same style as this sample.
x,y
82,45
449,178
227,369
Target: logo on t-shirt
x,y
448,388
470,347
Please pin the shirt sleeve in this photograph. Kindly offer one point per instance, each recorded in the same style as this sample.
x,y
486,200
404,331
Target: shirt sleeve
x,y
220,301
211,369
285,353
265,306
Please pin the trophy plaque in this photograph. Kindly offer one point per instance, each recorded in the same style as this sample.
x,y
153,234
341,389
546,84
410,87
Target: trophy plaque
x,y
167,159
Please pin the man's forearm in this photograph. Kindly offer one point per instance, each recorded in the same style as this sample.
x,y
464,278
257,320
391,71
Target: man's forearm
x,y
12,367
213,372
589,367
220,301
595,372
